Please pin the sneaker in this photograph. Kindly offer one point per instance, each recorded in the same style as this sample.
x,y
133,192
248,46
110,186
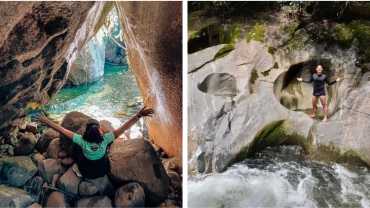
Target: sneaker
x,y
75,169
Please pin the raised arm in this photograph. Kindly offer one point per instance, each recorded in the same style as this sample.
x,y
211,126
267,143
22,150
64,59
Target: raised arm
x,y
56,127
143,112
333,82
301,80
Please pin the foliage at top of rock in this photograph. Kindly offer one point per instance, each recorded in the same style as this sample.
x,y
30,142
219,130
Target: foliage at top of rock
x,y
257,33
223,52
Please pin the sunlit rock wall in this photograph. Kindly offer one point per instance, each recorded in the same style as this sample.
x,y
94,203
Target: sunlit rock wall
x,y
153,32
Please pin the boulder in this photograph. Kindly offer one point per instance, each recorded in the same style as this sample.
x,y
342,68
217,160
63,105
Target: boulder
x,y
25,146
37,158
169,203
138,158
45,139
56,199
94,201
174,164
176,181
130,195
22,126
62,154
54,149
12,141
16,171
69,182
35,205
49,167
14,197
36,185
75,122
102,185
11,150
32,128
55,179
162,62
67,161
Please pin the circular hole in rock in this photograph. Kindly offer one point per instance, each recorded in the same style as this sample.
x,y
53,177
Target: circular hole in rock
x,y
297,96
219,84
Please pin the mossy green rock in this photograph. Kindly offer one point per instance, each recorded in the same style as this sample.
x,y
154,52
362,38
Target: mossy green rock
x,y
14,197
16,171
223,52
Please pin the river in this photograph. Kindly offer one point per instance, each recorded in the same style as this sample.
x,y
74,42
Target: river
x,y
282,177
102,99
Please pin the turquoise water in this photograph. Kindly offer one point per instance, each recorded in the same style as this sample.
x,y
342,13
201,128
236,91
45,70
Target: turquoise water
x,y
102,99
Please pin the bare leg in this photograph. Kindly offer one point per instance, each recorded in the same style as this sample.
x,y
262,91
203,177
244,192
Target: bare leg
x,y
323,102
314,106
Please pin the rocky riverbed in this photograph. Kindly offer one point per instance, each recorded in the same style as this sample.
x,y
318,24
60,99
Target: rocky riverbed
x,y
36,171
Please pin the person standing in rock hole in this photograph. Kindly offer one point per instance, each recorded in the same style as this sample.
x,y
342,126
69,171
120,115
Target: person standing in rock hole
x,y
93,161
319,80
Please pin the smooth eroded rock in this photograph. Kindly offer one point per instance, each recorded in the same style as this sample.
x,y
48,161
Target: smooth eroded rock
x,y
16,171
137,161
54,149
25,146
130,195
14,197
102,185
69,182
45,139
56,199
94,201
37,158
49,167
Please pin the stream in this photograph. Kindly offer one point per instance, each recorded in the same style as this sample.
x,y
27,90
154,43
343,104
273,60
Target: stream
x,y
282,177
102,99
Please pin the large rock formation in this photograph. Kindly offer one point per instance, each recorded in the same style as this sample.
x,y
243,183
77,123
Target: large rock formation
x,y
38,44
157,62
115,54
14,197
261,112
89,65
136,161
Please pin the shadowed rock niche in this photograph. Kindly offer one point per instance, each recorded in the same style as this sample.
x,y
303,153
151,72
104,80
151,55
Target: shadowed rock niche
x,y
296,95
219,84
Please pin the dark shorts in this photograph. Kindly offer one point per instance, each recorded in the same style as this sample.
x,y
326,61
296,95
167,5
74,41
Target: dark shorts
x,y
92,169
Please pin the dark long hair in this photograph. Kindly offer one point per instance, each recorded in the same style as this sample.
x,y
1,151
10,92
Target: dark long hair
x,y
92,135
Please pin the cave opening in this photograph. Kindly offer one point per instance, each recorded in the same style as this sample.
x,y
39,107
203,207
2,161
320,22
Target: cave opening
x,y
101,84
297,96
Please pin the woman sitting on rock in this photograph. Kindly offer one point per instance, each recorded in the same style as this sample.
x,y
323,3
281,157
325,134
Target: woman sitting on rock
x,y
319,80
93,161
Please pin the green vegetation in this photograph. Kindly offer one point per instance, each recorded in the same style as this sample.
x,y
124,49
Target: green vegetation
x,y
254,76
346,33
256,33
271,50
266,73
232,32
223,52
276,65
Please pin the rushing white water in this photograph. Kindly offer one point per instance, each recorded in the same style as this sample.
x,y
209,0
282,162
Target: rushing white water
x,y
282,177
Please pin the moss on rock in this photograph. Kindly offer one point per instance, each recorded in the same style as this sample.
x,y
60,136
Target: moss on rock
x,y
276,65
254,76
223,52
257,33
266,73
